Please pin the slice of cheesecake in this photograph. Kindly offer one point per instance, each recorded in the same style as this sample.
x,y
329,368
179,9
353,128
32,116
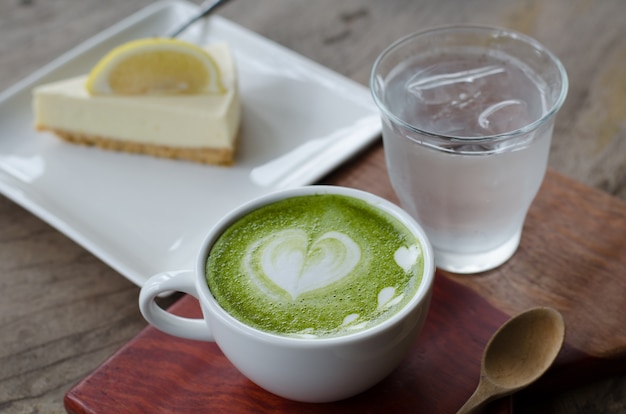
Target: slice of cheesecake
x,y
198,127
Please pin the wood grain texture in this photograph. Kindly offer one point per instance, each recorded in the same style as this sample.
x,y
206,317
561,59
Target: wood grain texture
x,y
62,311
593,227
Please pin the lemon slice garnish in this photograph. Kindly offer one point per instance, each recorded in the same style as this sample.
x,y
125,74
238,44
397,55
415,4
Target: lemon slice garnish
x,y
155,66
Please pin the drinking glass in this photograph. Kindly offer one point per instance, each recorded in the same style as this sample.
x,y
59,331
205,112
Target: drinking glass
x,y
468,114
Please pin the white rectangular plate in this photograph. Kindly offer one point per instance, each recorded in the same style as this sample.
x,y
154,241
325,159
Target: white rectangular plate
x,y
143,215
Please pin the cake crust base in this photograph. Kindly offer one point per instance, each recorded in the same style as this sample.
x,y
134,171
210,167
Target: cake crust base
x,y
213,156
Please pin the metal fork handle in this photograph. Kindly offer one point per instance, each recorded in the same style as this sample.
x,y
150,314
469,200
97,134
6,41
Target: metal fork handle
x,y
206,8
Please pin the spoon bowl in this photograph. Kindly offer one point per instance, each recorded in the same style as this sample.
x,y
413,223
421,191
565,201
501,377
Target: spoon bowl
x,y
518,354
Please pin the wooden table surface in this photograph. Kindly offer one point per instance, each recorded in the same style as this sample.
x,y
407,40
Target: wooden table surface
x,y
63,311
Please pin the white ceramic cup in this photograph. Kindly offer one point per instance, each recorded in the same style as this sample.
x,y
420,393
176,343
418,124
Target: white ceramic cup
x,y
301,369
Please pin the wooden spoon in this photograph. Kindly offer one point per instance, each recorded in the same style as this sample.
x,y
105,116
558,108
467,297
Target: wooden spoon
x,y
517,355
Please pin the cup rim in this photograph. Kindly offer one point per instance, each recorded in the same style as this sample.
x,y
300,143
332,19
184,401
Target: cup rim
x,y
420,296
550,113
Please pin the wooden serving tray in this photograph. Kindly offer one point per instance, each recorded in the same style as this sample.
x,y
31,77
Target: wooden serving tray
x,y
572,257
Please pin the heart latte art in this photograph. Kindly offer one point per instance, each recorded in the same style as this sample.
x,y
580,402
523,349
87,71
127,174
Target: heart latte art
x,y
287,260
321,265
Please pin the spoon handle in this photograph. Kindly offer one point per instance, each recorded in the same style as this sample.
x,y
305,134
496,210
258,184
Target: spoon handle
x,y
206,8
485,392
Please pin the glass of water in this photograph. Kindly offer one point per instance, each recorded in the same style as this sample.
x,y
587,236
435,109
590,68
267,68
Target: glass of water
x,y
467,116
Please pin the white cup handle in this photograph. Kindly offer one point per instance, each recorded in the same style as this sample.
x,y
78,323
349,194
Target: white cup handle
x,y
180,281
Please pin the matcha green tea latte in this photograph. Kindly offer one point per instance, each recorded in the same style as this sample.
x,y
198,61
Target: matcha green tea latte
x,y
315,266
